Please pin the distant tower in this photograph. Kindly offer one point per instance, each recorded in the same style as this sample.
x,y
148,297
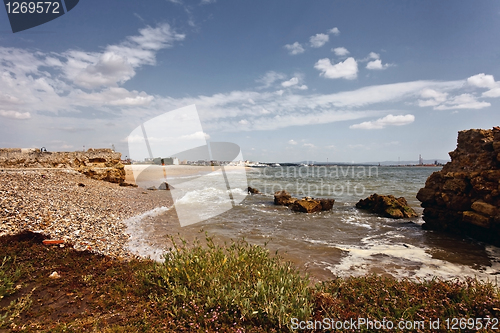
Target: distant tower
x,y
420,160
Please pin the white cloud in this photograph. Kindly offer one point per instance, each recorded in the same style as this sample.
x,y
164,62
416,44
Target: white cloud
x,y
206,2
463,101
340,51
243,122
482,81
376,65
309,145
388,120
348,69
295,48
495,92
293,81
318,40
292,142
269,78
15,114
432,97
334,31
116,64
303,87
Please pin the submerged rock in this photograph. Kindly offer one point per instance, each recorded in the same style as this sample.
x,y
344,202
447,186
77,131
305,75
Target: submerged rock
x,y
387,206
306,205
464,197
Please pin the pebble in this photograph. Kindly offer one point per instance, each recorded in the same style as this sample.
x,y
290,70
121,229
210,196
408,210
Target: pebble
x,y
55,203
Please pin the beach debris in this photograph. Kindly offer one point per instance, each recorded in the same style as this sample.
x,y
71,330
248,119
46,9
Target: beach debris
x,y
52,241
152,188
54,275
387,206
252,190
81,184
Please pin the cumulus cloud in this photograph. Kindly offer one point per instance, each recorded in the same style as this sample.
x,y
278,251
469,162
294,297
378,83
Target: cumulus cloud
x,y
303,87
318,40
389,120
334,31
15,114
376,65
340,51
347,69
485,81
269,78
293,81
482,81
295,48
292,142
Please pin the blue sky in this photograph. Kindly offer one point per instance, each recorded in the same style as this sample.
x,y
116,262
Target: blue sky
x,y
285,80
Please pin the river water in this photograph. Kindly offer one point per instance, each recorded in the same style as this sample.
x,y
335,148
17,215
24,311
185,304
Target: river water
x,y
344,241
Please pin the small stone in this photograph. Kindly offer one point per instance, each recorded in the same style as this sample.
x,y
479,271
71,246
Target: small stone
x,y
54,275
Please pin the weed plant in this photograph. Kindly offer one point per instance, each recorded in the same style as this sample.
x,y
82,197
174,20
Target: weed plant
x,y
237,282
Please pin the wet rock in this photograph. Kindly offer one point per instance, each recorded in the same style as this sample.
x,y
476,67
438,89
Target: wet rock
x,y
387,206
464,197
252,190
283,198
306,205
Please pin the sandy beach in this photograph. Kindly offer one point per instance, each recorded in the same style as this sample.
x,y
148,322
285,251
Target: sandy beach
x,y
70,206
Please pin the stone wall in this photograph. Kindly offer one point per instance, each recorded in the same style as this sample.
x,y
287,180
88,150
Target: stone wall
x,y
464,196
102,164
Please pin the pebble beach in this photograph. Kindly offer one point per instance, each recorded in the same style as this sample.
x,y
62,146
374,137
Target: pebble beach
x,y
66,205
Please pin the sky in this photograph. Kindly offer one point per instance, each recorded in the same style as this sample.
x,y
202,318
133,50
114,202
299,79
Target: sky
x,y
286,80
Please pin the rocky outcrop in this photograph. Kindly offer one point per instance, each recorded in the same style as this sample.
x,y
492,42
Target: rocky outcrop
x,y
100,164
464,197
387,206
304,205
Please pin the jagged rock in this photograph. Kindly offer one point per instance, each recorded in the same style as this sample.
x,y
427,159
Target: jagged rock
x,y
252,190
306,205
283,198
464,197
387,206
165,186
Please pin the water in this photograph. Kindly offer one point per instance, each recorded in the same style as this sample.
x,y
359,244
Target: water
x,y
344,241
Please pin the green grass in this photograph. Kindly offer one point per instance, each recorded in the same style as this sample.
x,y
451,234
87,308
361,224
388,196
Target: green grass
x,y
226,288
